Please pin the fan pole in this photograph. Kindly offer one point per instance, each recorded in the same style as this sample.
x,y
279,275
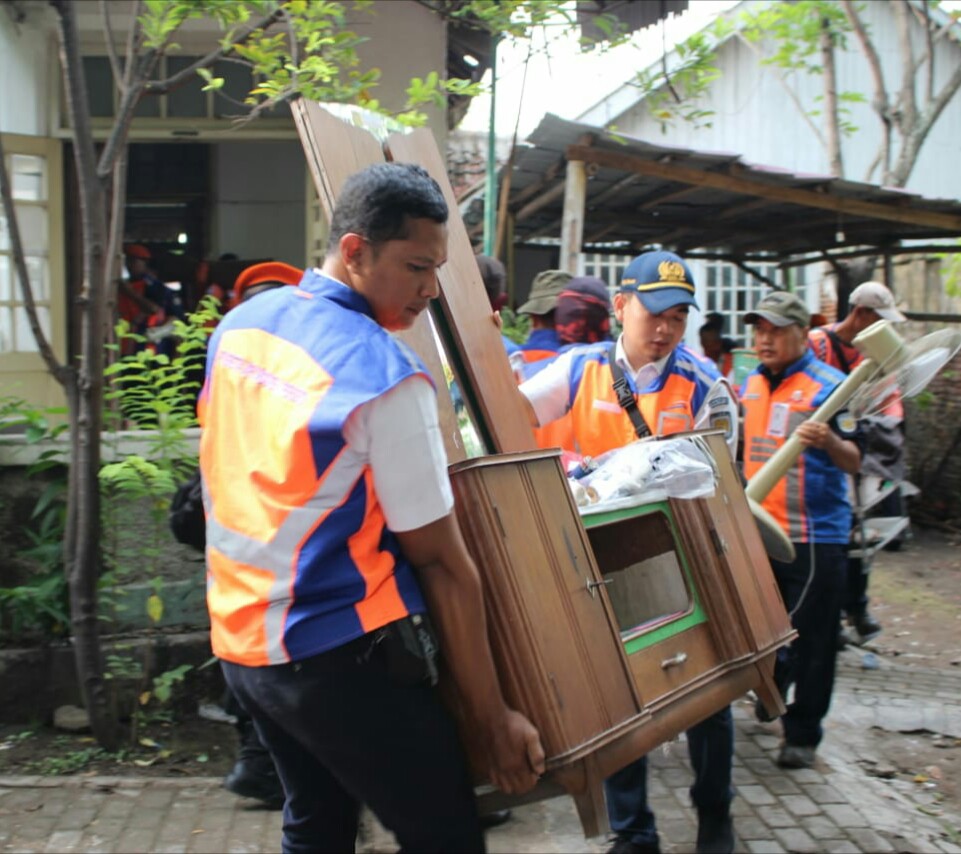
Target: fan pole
x,y
775,468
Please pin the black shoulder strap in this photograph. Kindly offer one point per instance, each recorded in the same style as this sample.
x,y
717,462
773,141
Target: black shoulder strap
x,y
838,346
625,397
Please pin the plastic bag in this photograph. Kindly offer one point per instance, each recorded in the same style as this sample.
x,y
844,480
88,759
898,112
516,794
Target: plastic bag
x,y
644,472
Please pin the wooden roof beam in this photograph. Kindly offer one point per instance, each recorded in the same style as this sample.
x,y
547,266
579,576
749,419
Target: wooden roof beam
x,y
750,187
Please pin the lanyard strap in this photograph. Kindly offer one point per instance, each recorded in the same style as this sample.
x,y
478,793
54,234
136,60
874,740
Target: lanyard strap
x,y
625,397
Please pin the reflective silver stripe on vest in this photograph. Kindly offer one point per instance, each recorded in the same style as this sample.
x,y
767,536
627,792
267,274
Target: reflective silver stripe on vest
x,y
792,501
279,555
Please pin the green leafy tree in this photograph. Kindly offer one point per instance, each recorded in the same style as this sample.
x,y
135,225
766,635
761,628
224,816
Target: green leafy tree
x,y
292,48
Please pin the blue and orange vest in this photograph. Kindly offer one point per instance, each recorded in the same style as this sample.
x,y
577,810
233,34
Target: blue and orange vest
x,y
299,557
668,405
811,501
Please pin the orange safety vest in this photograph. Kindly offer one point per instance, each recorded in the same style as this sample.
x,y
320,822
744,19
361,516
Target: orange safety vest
x,y
299,557
810,502
600,424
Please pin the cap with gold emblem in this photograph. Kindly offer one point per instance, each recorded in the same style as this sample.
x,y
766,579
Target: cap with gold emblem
x,y
661,280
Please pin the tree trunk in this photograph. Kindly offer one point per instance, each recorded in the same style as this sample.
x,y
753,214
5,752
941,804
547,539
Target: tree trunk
x,y
82,557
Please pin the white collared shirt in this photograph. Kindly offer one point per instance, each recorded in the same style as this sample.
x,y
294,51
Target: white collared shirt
x,y
549,392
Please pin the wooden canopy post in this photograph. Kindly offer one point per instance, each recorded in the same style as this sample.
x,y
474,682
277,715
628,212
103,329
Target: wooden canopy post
x,y
572,223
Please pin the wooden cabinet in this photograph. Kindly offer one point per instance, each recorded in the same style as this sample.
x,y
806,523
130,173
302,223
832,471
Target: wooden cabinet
x,y
617,631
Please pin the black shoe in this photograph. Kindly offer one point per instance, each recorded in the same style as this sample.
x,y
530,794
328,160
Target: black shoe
x,y
253,774
715,832
495,819
762,714
796,756
625,846
866,626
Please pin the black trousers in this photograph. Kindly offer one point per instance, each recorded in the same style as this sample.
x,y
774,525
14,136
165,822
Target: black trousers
x,y
342,733
812,587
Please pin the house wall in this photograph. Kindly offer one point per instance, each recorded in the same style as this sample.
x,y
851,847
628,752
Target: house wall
x,y
25,65
754,116
258,209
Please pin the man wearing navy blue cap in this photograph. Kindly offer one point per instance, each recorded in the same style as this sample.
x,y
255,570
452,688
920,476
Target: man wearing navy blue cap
x,y
664,388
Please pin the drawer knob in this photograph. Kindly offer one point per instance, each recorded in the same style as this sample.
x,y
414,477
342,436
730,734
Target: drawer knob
x,y
674,660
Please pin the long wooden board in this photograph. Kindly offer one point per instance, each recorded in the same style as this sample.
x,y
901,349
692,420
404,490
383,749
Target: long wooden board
x,y
464,304
335,150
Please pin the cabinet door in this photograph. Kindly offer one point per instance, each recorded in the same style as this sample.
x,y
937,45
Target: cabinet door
x,y
557,650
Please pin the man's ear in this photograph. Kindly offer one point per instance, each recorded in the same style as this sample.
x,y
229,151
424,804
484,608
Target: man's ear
x,y
618,301
352,248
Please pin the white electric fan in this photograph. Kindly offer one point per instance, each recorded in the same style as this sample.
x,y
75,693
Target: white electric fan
x,y
889,365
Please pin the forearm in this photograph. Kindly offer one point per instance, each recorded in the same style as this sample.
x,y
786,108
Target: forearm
x,y
456,604
845,455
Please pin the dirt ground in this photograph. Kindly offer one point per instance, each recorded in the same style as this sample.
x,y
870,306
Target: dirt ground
x,y
915,593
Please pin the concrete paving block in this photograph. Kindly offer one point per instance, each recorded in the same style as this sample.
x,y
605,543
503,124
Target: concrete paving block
x,y
64,840
796,839
781,784
869,840
840,846
820,827
821,793
212,842
776,816
751,827
764,846
845,815
75,818
800,805
756,795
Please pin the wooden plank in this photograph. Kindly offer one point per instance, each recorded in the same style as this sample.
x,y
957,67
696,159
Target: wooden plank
x,y
335,150
485,373
902,213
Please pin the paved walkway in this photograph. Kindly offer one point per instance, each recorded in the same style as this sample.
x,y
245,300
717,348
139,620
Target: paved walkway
x,y
838,806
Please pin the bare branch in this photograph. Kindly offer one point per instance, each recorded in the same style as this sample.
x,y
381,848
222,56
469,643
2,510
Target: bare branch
x,y
790,93
111,47
881,104
906,96
826,43
59,371
130,95
162,87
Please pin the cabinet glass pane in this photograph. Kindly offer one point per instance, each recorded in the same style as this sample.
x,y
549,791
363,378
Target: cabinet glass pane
x,y
642,572
27,177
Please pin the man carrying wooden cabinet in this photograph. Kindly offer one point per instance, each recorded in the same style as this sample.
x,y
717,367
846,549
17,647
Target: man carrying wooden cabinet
x,y
323,562
649,383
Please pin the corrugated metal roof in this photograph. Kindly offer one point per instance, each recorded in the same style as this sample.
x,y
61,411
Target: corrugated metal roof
x,y
639,194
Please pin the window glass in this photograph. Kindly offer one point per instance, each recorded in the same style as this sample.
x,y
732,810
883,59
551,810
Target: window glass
x,y
238,82
4,234
187,102
23,335
100,88
33,229
6,279
27,177
6,330
39,281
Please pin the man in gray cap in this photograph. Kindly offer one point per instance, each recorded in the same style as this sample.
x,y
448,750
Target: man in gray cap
x,y
810,503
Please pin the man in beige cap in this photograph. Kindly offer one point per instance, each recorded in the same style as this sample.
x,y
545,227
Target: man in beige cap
x,y
869,302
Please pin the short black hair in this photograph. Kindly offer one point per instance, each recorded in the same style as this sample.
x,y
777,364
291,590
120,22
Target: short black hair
x,y
377,202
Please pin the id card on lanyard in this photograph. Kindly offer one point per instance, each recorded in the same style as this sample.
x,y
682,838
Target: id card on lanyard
x,y
778,421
